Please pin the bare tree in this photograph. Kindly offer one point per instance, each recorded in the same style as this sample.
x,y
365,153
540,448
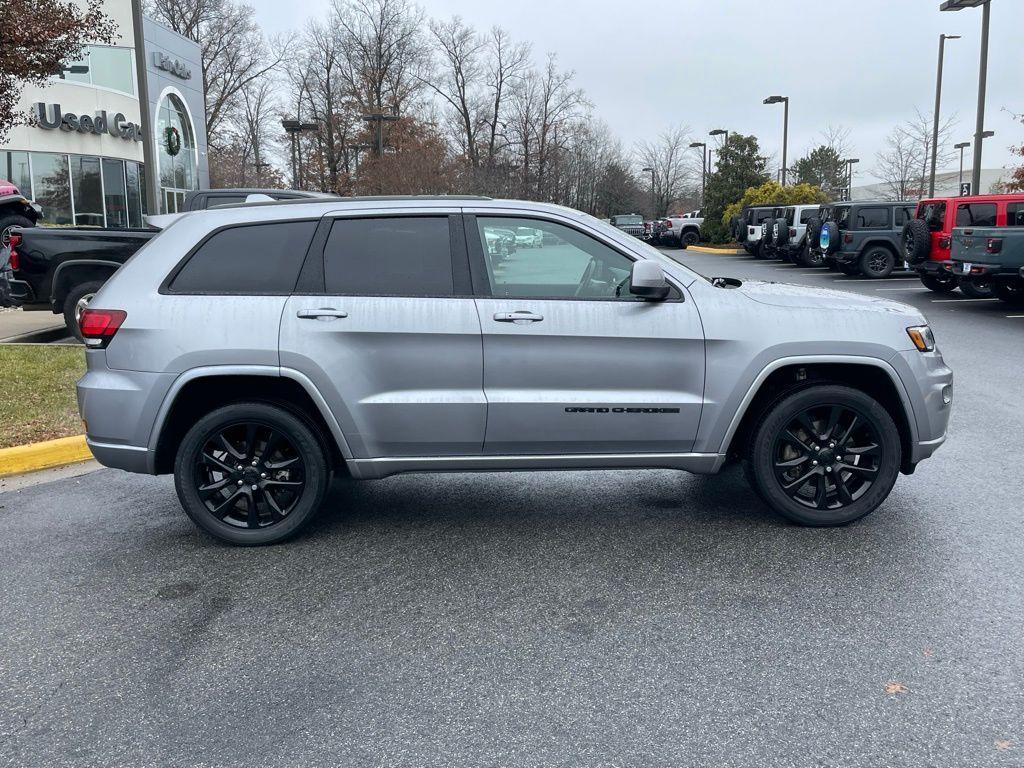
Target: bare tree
x,y
459,81
508,63
903,164
673,166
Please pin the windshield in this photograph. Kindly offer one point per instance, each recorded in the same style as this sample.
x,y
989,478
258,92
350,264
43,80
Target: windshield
x,y
620,220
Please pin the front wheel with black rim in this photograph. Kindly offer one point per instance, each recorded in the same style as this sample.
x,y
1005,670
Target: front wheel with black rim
x,y
688,238
1009,291
811,258
251,473
824,455
976,289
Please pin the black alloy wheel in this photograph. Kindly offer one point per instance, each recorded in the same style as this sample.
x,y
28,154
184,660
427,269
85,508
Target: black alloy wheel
x,y
877,262
825,455
251,473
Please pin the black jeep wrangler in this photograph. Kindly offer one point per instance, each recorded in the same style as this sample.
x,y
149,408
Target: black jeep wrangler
x,y
863,237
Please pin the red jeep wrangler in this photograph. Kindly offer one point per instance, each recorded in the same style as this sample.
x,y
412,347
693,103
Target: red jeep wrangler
x,y
928,236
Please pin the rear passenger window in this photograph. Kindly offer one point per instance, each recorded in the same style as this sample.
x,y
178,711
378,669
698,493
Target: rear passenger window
x,y
1015,215
258,259
873,218
976,215
903,215
393,256
807,215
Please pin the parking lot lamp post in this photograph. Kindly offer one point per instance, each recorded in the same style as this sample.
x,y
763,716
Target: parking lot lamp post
x,y
703,168
849,176
378,119
784,100
961,146
293,128
979,128
935,118
654,204
720,132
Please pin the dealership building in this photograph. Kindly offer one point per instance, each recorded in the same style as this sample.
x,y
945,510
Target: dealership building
x,y
82,158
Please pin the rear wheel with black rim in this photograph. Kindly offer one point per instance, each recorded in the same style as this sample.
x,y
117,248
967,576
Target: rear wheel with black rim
x,y
688,238
78,299
1010,291
976,289
824,455
877,262
939,282
251,473
811,258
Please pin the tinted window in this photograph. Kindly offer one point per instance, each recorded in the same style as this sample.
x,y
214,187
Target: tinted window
x,y
872,218
934,214
903,215
565,264
807,215
762,216
1015,215
256,259
841,216
976,215
395,256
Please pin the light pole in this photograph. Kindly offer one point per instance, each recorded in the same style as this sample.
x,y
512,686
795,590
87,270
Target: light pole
x,y
378,119
654,204
720,132
935,118
152,192
785,128
979,127
961,146
703,169
293,128
849,176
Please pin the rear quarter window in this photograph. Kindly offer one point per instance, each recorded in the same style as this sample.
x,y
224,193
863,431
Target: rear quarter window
x,y
976,215
872,218
257,259
1015,215
807,215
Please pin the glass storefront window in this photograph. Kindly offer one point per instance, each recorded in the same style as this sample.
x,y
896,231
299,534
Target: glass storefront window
x,y
115,198
178,170
134,191
15,168
86,190
52,187
108,67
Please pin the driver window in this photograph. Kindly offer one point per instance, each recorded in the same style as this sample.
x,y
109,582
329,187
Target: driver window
x,y
531,258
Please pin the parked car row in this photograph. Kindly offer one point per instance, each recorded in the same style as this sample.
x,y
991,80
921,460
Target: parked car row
x,y
939,238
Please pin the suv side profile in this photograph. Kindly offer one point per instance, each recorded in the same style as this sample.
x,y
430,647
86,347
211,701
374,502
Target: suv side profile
x,y
863,238
256,351
749,229
790,235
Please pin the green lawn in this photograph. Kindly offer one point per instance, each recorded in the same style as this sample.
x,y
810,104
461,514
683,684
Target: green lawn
x,y
37,392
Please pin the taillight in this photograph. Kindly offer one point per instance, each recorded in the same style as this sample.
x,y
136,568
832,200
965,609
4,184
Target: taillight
x,y
792,232
13,260
944,242
847,238
667,224
994,245
15,239
98,326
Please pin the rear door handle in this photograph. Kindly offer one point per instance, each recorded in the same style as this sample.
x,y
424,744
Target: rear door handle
x,y
519,316
324,313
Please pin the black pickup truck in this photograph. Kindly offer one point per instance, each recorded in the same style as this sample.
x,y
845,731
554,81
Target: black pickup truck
x,y
61,269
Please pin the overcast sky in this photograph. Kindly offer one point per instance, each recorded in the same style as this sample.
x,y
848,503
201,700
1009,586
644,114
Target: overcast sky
x,y
862,64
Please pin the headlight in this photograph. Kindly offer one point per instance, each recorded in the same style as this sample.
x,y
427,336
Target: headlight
x,y
922,337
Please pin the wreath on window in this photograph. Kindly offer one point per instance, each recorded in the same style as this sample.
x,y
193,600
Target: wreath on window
x,y
172,140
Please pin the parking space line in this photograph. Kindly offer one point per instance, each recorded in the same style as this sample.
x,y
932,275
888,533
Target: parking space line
x,y
1018,317
874,280
908,288
958,301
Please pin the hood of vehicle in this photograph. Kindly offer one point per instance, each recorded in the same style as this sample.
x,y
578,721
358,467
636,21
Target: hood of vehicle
x,y
802,296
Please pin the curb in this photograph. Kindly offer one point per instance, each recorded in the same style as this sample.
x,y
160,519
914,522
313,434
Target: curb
x,y
44,455
706,249
44,336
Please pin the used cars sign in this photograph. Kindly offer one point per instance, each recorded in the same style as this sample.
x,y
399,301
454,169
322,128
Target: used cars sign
x,y
51,118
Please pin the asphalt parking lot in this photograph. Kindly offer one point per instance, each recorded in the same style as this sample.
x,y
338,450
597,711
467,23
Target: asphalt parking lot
x,y
569,618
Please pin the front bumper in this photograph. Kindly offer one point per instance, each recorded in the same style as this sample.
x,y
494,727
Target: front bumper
x,y
929,384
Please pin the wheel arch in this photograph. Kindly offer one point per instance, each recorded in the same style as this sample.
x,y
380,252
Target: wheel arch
x,y
873,376
881,242
70,273
201,390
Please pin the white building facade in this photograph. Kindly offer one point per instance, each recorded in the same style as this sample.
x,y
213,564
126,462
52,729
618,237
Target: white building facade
x,y
82,158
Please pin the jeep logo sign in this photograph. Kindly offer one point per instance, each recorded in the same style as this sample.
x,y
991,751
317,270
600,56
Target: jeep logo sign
x,y
174,66
117,126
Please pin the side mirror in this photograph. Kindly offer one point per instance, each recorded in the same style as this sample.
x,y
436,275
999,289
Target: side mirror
x,y
647,280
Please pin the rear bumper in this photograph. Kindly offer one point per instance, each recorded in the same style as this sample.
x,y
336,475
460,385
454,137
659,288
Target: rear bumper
x,y
985,270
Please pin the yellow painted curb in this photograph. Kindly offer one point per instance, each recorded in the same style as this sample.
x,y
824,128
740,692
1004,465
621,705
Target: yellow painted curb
x,y
705,249
51,453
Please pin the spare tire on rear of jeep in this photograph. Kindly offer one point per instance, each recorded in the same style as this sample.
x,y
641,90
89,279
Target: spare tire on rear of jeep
x,y
780,232
917,241
813,232
736,225
828,238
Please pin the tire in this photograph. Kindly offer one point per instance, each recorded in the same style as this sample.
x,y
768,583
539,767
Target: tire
x,y
734,227
297,448
809,428
688,238
974,289
781,233
833,236
10,221
76,300
877,262
810,258
813,231
1009,291
939,283
917,241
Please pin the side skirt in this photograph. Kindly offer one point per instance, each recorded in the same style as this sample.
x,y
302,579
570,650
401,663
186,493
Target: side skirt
x,y
698,463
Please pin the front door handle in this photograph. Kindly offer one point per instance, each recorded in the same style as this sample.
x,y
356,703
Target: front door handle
x,y
324,313
520,316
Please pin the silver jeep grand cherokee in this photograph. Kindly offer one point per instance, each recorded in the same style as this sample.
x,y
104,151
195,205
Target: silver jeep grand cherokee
x,y
255,351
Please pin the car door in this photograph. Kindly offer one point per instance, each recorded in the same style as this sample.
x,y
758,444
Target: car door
x,y
384,324
573,364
